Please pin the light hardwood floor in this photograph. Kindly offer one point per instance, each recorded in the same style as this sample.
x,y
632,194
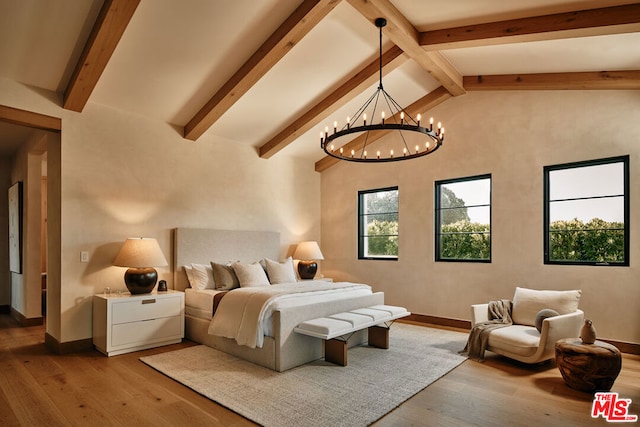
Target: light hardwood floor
x,y
38,388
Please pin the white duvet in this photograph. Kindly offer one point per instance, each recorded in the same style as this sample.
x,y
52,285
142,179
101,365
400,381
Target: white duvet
x,y
244,314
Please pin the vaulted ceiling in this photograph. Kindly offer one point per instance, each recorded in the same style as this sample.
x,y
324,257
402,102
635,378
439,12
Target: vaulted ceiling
x,y
272,73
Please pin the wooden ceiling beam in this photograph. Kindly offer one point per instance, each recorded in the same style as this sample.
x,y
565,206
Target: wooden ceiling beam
x,y
28,118
107,31
581,23
294,28
604,80
361,80
404,35
421,106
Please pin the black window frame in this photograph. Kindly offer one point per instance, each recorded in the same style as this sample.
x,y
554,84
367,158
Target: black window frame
x,y
361,224
438,211
547,209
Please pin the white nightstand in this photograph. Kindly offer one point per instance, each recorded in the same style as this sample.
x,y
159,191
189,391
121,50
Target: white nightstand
x,y
125,323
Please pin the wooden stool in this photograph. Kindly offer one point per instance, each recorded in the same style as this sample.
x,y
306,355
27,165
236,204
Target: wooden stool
x,y
588,367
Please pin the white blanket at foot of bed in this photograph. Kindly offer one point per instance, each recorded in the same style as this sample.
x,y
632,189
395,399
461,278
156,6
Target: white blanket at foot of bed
x,y
241,314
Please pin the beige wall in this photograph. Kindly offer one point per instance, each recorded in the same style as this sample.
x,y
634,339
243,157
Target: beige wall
x,y
511,135
125,175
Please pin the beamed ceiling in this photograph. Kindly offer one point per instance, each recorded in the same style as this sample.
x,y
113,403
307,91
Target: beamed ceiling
x,y
272,73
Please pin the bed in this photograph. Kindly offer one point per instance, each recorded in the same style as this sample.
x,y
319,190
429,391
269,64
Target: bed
x,y
281,348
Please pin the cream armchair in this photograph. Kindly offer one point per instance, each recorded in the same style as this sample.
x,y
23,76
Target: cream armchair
x,y
521,340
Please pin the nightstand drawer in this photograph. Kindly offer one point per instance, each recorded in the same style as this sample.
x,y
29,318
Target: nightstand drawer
x,y
145,309
146,331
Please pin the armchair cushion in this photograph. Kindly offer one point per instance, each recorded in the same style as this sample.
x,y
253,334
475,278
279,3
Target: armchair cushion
x,y
528,302
517,339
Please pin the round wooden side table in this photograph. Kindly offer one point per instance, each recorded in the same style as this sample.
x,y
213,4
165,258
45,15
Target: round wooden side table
x,y
588,367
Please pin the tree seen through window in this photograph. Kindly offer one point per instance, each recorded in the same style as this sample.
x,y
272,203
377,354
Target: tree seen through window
x,y
463,219
378,223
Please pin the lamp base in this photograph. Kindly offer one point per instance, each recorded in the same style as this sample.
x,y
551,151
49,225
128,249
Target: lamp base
x,y
140,280
307,269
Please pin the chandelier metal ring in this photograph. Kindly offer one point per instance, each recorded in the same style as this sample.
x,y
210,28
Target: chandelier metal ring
x,y
399,121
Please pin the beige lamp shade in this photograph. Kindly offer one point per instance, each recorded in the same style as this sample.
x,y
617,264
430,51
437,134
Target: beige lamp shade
x,y
140,252
308,251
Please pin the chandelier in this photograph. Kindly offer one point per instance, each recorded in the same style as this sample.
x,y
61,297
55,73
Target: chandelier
x,y
414,140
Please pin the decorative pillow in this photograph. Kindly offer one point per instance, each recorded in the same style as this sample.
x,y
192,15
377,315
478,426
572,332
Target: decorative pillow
x,y
543,314
201,277
528,302
224,276
188,270
280,272
250,275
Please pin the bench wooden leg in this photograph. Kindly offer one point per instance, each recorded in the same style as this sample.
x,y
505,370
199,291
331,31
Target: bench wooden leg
x,y
379,337
335,351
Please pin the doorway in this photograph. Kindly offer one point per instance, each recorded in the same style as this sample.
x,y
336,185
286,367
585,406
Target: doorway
x,y
28,294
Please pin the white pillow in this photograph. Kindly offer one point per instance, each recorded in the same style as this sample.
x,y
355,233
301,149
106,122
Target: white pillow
x,y
250,275
280,272
188,270
202,276
528,302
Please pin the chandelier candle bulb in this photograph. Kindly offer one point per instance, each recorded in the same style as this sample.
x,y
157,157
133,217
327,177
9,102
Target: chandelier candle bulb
x,y
419,120
402,118
417,149
348,122
431,123
341,151
378,154
335,127
391,153
364,117
382,114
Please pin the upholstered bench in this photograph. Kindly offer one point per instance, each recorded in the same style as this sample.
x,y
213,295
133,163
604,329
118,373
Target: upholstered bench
x,y
332,329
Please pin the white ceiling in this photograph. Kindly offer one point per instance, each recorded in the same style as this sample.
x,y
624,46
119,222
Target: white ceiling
x,y
174,55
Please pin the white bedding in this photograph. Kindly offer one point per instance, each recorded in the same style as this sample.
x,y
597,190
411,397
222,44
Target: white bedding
x,y
199,302
244,314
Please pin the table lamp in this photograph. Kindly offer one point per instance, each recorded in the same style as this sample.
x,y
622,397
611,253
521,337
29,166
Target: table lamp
x,y
307,253
140,254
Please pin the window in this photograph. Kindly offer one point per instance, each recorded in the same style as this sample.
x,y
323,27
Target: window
x,y
463,219
586,212
378,224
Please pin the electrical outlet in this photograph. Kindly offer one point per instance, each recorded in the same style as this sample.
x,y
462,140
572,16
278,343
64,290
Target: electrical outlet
x,y
84,256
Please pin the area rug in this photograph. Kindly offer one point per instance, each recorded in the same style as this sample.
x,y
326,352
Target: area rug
x,y
374,382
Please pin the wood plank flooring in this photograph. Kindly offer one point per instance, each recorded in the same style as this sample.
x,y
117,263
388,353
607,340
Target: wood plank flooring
x,y
38,388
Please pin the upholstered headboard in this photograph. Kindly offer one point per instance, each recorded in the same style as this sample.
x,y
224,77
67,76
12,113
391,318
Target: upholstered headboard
x,y
201,246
